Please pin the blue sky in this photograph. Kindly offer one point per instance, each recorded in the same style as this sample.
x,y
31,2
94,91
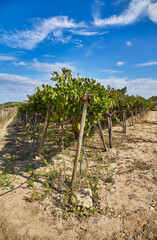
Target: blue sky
x,y
113,41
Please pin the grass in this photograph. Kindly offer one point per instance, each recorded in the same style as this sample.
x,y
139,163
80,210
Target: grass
x,y
39,195
109,176
47,178
6,181
90,154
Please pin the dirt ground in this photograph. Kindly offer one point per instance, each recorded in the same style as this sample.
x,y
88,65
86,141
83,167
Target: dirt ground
x,y
129,201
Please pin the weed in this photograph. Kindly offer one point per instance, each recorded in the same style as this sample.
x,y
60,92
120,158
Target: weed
x,y
30,183
51,174
109,178
30,168
47,177
80,211
90,154
39,196
8,169
6,181
121,146
35,176
70,200
100,158
46,163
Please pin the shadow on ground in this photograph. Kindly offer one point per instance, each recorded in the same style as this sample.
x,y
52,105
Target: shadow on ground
x,y
16,156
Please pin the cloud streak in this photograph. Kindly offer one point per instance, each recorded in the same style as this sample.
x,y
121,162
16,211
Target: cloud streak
x,y
7,58
151,63
20,63
152,12
56,29
84,32
49,67
135,10
29,39
17,79
110,71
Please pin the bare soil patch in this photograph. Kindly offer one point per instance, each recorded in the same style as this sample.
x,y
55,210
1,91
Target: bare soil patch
x,y
127,187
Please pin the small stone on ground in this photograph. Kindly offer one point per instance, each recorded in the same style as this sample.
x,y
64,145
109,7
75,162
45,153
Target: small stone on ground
x,y
84,196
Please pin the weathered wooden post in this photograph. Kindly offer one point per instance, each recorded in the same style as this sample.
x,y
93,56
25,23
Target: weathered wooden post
x,y
85,99
109,118
124,121
102,136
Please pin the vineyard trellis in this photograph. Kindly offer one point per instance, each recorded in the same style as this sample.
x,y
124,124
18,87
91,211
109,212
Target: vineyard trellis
x,y
62,105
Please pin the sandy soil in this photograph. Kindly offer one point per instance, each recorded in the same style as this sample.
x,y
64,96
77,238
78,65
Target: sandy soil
x,y
130,201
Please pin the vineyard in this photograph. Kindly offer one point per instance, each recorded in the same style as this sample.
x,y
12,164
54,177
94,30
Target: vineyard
x,y
6,114
79,160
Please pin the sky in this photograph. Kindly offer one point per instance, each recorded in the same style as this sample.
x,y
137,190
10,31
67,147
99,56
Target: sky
x,y
112,41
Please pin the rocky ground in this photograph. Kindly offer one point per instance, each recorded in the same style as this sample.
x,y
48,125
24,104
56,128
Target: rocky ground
x,y
127,188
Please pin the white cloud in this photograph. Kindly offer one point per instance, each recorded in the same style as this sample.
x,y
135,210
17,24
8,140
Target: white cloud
x,y
102,33
151,63
7,58
46,67
152,12
146,87
58,36
117,2
48,56
78,43
17,79
16,87
84,32
120,63
20,63
96,8
136,9
110,71
113,82
128,43
49,67
28,39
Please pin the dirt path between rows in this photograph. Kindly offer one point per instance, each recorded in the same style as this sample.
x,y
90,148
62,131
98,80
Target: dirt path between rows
x,y
130,201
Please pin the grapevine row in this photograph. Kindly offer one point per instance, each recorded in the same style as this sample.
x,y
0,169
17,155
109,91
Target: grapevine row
x,y
63,105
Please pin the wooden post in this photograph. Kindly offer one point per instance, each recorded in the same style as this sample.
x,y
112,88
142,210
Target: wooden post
x,y
124,122
102,136
45,130
109,118
85,98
